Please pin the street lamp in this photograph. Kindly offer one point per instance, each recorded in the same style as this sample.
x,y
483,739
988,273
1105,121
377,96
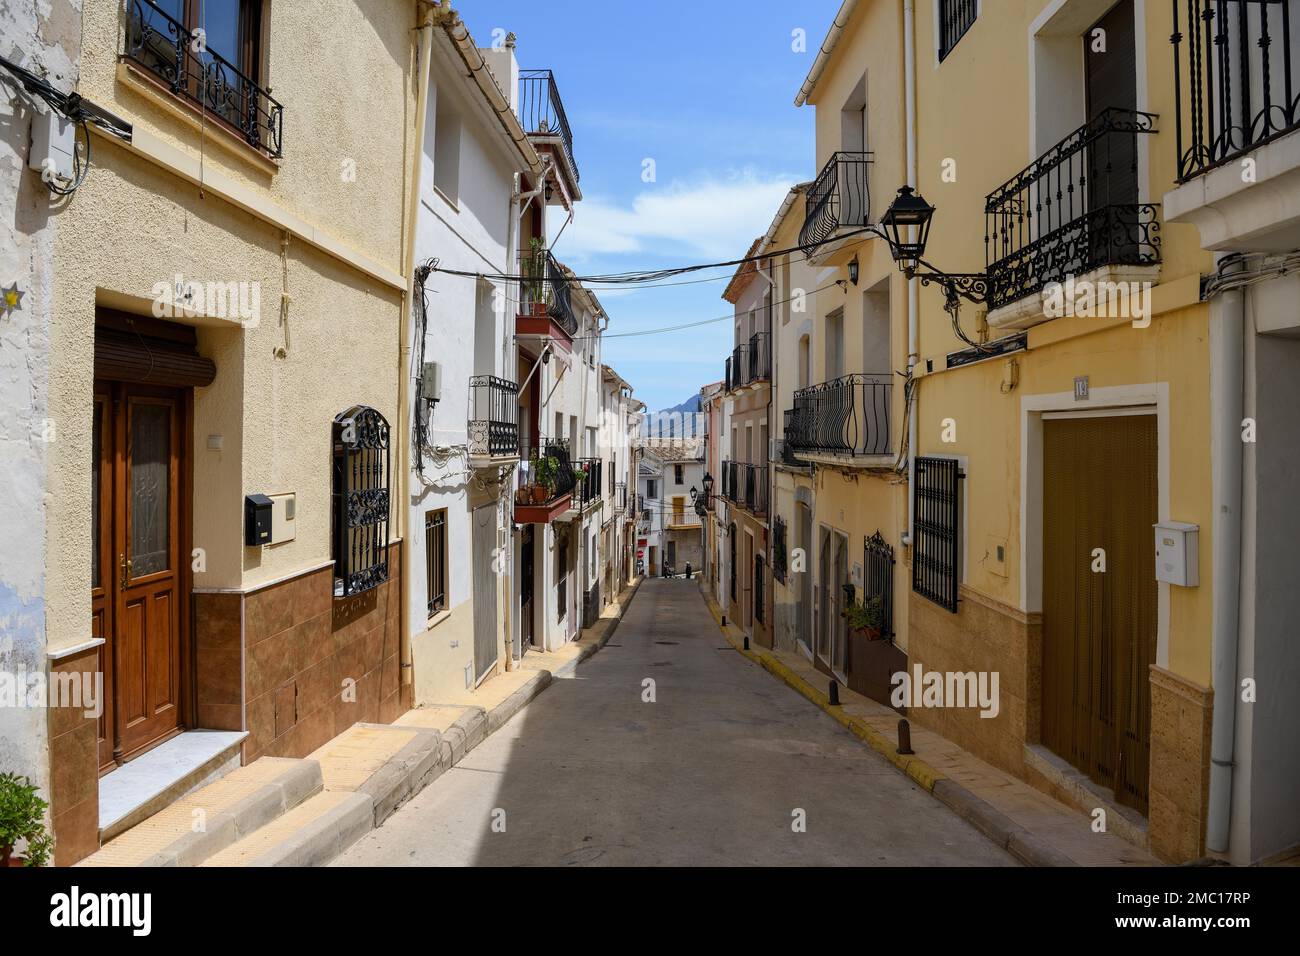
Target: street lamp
x,y
908,211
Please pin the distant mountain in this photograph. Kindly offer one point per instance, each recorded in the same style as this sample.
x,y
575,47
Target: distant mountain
x,y
692,404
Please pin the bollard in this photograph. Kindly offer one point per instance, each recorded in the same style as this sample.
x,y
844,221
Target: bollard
x,y
746,642
904,737
835,694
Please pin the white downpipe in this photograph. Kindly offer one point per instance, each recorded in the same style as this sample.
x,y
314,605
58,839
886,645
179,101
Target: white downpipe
x,y
1227,378
913,302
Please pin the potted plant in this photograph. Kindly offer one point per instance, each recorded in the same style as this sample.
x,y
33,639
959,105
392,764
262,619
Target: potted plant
x,y
22,818
535,277
546,469
866,619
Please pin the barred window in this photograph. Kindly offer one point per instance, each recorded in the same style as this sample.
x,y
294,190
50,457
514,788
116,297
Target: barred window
x,y
435,559
778,550
361,500
935,501
759,599
955,18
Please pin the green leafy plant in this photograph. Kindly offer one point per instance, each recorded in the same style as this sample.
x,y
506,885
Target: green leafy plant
x,y
535,272
866,616
547,471
22,818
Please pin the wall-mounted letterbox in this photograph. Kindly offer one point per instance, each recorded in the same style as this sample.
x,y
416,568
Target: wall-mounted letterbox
x,y
257,520
1178,553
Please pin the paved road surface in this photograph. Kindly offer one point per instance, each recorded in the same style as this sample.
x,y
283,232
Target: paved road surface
x,y
711,773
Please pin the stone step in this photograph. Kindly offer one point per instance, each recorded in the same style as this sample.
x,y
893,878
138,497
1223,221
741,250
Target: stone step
x,y
205,822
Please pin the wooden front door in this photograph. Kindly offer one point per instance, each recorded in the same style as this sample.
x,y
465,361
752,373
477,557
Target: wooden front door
x,y
1099,597
137,596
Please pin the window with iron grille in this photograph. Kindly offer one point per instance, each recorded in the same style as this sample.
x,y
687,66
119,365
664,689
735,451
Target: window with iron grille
x,y
679,474
935,503
562,577
360,500
435,559
778,550
759,599
732,563
878,560
955,18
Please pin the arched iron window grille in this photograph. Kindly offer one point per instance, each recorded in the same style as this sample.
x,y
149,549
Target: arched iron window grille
x,y
361,500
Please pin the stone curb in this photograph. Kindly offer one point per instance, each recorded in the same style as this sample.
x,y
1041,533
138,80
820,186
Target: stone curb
x,y
406,773
994,824
300,780
325,837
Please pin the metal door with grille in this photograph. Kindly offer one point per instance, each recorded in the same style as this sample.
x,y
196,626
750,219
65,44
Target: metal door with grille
x,y
485,591
1099,627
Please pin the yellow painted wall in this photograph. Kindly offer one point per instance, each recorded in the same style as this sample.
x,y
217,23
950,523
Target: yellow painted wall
x,y
134,223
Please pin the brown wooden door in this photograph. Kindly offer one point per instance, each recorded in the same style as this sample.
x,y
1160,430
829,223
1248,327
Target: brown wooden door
x,y
1099,627
137,571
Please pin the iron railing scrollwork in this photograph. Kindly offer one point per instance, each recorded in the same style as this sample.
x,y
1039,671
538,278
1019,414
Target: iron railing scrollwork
x,y
494,417
161,45
1072,210
840,198
541,111
361,500
1241,91
845,416
936,500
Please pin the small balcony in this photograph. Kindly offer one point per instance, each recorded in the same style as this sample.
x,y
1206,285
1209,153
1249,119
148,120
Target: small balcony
x,y
545,303
541,112
544,482
493,421
168,54
620,498
1073,211
845,420
840,199
587,473
745,486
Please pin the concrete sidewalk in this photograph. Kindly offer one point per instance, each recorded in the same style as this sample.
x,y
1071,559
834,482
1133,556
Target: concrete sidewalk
x,y
1026,822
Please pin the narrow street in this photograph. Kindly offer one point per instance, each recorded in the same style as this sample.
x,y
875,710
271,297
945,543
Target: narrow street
x,y
711,773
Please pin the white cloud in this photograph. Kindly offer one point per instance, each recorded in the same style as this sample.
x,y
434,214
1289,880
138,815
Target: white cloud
x,y
715,218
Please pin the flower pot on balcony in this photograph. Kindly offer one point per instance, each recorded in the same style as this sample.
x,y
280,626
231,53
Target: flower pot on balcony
x,y
539,494
539,310
522,496
868,633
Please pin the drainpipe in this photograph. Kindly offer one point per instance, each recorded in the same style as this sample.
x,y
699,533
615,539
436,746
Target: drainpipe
x,y
404,352
913,303
771,470
1227,376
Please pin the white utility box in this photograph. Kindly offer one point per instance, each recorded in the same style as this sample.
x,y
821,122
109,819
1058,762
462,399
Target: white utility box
x,y
54,140
283,511
1178,553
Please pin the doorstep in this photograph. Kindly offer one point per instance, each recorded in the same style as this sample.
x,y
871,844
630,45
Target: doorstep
x,y
140,788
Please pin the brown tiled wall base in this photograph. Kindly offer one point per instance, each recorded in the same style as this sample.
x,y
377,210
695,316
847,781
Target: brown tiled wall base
x,y
74,770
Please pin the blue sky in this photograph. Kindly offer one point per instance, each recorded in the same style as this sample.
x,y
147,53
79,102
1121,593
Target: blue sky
x,y
707,91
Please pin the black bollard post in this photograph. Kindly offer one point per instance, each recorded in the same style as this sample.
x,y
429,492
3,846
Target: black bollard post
x,y
905,737
835,694
746,642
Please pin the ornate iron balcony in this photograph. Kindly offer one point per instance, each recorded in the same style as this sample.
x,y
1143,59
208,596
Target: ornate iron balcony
x,y
493,417
845,416
1072,210
588,479
161,45
1240,90
545,289
760,358
840,198
546,473
541,111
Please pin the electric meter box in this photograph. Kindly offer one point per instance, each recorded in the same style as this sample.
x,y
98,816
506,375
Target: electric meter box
x,y
54,141
1178,553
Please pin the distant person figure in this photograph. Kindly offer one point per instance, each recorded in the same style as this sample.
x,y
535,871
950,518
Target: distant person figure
x,y
688,570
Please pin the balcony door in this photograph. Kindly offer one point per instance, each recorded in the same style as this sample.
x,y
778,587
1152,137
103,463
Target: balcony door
x,y
1110,74
138,440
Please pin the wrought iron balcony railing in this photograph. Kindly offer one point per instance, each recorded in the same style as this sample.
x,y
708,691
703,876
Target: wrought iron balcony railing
x,y
738,367
845,416
840,198
955,18
541,111
1240,88
545,289
760,358
588,471
745,486
1072,210
545,474
493,417
161,45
